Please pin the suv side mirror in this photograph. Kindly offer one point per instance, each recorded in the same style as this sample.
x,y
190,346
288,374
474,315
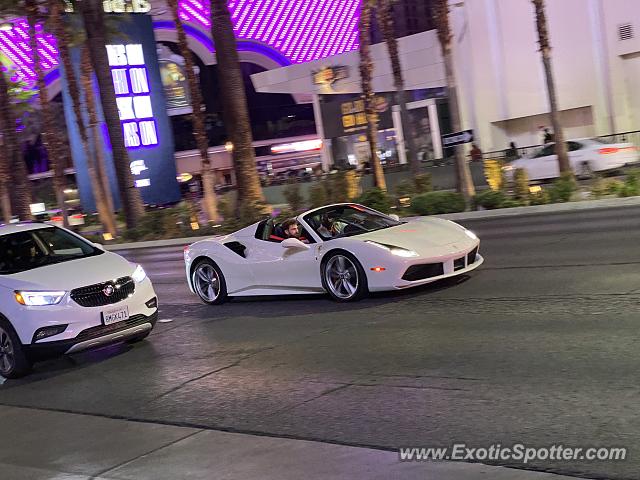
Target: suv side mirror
x,y
395,217
294,244
99,246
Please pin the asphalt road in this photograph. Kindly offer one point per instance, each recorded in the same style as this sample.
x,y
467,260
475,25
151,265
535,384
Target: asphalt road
x,y
539,346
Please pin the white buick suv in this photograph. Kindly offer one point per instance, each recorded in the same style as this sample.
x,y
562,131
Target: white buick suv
x,y
61,294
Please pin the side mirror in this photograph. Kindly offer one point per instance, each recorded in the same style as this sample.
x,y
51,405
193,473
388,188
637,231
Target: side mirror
x,y
295,244
99,246
395,217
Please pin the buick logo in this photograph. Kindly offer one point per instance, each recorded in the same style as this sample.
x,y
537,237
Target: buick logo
x,y
108,290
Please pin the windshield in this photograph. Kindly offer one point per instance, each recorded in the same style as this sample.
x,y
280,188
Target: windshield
x,y
347,220
31,249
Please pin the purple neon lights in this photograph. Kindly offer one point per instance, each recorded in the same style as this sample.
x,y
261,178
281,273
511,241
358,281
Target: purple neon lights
x,y
14,44
302,30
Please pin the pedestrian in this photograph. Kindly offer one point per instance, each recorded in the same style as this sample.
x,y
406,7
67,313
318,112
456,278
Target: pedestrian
x,y
476,153
511,153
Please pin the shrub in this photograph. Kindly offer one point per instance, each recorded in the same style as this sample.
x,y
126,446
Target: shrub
x,y
318,195
510,203
539,198
422,183
294,197
432,203
614,187
377,199
337,187
494,174
521,184
631,186
563,188
489,199
598,187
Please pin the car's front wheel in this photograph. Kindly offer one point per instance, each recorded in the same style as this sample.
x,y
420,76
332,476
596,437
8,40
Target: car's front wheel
x,y
13,361
343,277
209,283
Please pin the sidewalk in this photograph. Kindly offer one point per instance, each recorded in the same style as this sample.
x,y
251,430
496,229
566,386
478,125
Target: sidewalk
x,y
480,214
46,445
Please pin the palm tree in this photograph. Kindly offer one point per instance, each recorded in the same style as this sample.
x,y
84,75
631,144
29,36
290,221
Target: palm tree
x,y
366,70
199,130
385,19
545,52
94,25
441,19
99,183
15,177
236,113
50,141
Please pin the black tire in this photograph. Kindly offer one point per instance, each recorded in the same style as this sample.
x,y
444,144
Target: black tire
x,y
138,338
209,266
585,171
13,360
339,290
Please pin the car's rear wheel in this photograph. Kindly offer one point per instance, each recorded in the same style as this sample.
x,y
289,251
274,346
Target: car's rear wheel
x,y
208,282
343,277
586,171
13,361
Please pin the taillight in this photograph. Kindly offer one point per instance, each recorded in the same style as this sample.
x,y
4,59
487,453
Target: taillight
x,y
608,150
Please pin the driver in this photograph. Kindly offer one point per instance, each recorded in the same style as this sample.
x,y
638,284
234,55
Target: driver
x,y
292,230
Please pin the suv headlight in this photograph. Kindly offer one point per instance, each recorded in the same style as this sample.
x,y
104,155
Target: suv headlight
x,y
398,251
139,274
39,299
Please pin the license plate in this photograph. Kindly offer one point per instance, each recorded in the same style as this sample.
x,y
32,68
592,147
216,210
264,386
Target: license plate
x,y
115,315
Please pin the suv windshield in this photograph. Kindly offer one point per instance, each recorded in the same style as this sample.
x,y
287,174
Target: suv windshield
x,y
347,220
31,249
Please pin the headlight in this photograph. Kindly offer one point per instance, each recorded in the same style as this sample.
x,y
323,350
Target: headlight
x,y
39,299
471,235
398,251
139,274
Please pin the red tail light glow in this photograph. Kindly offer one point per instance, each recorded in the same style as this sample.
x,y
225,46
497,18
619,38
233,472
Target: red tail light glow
x,y
608,150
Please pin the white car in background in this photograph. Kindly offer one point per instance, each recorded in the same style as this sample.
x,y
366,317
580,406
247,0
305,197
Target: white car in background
x,y
345,250
586,156
61,294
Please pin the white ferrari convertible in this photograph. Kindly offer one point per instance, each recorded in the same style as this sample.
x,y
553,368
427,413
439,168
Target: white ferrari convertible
x,y
345,250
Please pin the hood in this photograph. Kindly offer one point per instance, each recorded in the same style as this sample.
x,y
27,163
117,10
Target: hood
x,y
420,235
71,274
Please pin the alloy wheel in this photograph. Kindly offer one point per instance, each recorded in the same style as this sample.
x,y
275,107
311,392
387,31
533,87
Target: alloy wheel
x,y
341,277
206,282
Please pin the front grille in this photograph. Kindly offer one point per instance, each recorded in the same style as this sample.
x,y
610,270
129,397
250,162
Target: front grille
x,y
471,257
458,264
420,272
101,330
95,296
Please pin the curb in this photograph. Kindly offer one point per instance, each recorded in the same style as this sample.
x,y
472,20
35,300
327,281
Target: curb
x,y
551,208
475,215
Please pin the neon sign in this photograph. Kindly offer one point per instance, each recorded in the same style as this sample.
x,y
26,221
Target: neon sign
x,y
131,84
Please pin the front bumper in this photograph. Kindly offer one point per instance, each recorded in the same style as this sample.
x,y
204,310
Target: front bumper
x,y
93,337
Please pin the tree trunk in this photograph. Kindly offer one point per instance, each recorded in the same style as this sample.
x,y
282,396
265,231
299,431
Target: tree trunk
x,y
441,18
366,70
385,19
5,198
104,204
50,142
199,130
236,113
545,52
16,174
93,16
